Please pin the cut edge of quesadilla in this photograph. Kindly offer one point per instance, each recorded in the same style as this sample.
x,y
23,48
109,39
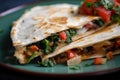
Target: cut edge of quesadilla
x,y
92,46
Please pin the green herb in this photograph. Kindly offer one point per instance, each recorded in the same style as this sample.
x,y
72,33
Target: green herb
x,y
107,4
46,46
54,46
69,33
47,63
115,18
89,4
99,22
32,56
75,67
53,38
87,65
69,38
72,32
117,10
97,4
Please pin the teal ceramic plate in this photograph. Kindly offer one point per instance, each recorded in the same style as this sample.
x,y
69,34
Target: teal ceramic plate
x,y
6,48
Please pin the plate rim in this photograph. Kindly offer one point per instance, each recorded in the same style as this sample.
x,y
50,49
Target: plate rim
x,y
56,75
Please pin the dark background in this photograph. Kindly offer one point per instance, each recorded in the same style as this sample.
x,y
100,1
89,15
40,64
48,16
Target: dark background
x,y
5,74
8,4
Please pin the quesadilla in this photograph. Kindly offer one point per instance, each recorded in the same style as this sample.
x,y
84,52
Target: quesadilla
x,y
95,45
43,28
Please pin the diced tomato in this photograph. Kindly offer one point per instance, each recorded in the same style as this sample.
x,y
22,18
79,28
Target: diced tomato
x,y
33,48
109,55
62,36
103,13
71,54
112,12
117,2
118,42
85,10
99,60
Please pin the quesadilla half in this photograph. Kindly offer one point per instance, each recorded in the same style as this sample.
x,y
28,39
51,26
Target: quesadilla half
x,y
95,45
41,29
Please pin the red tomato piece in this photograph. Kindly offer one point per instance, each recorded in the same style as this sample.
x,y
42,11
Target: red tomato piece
x,y
117,2
109,55
99,60
85,10
71,54
117,43
103,13
62,36
33,48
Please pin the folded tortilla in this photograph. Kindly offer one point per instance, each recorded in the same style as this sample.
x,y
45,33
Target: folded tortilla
x,y
41,21
102,41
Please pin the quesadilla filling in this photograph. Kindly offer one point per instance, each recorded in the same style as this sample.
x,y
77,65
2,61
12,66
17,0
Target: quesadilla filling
x,y
102,48
49,44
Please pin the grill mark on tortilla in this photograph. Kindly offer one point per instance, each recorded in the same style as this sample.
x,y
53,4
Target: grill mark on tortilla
x,y
90,40
42,23
59,20
38,17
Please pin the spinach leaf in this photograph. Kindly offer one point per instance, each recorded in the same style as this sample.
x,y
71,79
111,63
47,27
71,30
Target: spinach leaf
x,y
32,56
99,22
47,63
75,67
89,4
54,46
46,46
88,64
69,33
107,4
117,10
69,37
115,18
72,32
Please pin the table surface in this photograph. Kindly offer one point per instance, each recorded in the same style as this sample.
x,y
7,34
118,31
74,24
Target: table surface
x,y
9,75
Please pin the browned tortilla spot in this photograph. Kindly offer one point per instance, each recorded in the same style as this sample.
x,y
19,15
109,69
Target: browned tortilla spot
x,y
59,20
38,17
16,43
14,23
13,32
41,23
34,38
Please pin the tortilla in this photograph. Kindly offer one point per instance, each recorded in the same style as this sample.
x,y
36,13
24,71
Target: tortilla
x,y
41,21
99,37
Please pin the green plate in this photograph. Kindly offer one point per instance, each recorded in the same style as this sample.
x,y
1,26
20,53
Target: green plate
x,y
6,51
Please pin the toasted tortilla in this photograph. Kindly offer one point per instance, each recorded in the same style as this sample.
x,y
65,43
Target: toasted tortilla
x,y
100,36
41,21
